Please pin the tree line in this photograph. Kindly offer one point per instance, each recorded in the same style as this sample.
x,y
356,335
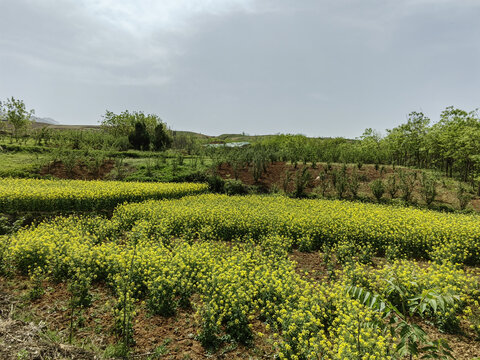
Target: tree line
x,y
126,130
450,145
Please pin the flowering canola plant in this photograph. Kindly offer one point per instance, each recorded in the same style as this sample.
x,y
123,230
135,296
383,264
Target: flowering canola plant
x,y
311,224
171,253
58,195
236,285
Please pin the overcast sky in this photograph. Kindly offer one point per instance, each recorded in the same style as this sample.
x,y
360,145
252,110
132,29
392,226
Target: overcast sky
x,y
316,67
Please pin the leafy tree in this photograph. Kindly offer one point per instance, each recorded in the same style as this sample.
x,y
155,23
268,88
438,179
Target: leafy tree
x,y
162,139
370,146
124,124
16,114
407,140
453,141
139,138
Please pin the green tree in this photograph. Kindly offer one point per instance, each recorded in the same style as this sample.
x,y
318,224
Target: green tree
x,y
16,114
454,140
162,139
139,138
407,141
369,148
123,124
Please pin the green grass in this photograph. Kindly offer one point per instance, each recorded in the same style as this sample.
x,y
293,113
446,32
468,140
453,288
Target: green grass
x,y
165,170
20,164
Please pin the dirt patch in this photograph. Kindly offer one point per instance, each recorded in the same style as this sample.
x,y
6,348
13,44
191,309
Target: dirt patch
x,y
176,335
475,204
272,176
464,347
309,265
79,172
282,176
22,340
280,173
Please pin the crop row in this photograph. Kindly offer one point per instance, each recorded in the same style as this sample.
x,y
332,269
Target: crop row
x,y
66,195
312,224
237,286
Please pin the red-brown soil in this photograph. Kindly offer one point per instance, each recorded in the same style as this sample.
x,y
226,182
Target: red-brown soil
x,y
177,334
277,172
79,172
27,340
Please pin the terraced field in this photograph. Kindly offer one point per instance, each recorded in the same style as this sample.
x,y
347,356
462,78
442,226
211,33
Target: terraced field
x,y
226,260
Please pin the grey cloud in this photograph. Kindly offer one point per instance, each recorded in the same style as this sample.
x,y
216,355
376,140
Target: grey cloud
x,y
324,68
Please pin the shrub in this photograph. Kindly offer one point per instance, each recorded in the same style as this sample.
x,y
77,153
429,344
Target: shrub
x,y
463,196
392,186
162,139
354,184
378,189
216,184
235,187
139,138
339,181
286,181
428,188
322,187
302,179
407,184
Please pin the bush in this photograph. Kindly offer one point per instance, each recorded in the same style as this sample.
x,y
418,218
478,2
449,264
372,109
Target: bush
x,y
323,185
407,184
463,196
378,189
216,184
302,179
428,188
339,182
235,187
162,139
354,184
392,187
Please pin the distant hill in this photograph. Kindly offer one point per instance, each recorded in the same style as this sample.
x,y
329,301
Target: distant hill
x,y
190,133
45,120
242,137
219,139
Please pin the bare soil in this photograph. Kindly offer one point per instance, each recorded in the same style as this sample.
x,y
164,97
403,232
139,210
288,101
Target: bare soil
x,y
79,172
176,334
27,340
277,174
